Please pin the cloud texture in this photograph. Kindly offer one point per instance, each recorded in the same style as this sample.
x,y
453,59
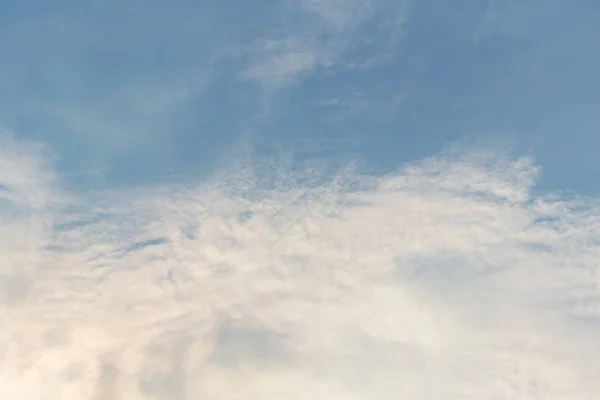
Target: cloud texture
x,y
451,278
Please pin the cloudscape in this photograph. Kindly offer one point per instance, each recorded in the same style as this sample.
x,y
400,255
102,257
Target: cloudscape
x,y
321,199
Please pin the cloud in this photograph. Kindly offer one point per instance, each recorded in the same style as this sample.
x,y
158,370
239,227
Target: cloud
x,y
325,32
279,62
489,18
134,115
343,109
117,85
113,81
450,278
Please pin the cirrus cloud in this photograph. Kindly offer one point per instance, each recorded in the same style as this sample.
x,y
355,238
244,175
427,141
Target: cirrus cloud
x,y
324,34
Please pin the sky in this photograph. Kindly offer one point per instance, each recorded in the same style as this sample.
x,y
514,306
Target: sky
x,y
325,199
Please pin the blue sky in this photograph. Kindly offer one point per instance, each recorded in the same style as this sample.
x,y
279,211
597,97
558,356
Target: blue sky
x,y
325,199
139,90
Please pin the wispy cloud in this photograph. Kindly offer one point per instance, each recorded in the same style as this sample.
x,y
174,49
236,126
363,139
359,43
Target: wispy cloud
x,y
131,115
114,85
319,40
451,278
343,109
108,77
489,18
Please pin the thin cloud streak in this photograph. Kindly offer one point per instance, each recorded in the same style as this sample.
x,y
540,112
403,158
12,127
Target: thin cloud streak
x,y
450,278
279,60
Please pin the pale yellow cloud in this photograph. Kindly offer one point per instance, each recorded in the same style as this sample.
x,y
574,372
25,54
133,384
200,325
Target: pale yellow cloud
x,y
449,279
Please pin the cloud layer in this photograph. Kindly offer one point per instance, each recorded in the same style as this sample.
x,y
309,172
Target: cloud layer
x,y
451,278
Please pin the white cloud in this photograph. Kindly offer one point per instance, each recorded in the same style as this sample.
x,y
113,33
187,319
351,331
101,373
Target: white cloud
x,y
324,34
450,279
279,62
